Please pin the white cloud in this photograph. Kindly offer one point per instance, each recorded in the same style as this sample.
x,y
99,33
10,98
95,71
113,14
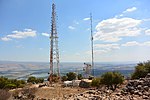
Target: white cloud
x,y
130,10
77,54
104,48
126,11
107,47
22,34
147,32
112,30
132,43
100,51
19,46
75,22
5,39
121,15
85,19
71,27
40,48
88,29
135,43
46,34
146,43
146,20
97,52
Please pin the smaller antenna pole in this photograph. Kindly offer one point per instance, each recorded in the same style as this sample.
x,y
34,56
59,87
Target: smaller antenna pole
x,y
92,43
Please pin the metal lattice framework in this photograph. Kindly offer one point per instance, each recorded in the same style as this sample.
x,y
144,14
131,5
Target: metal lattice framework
x,y
54,51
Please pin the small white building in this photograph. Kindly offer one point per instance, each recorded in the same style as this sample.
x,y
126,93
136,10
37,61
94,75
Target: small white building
x,y
67,83
73,83
76,83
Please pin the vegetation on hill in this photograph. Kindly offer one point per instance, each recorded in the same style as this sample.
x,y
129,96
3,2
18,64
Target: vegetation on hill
x,y
141,70
54,78
6,83
80,76
95,82
110,79
33,79
70,76
64,78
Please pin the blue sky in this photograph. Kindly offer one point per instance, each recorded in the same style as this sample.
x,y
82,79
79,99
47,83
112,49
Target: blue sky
x,y
121,30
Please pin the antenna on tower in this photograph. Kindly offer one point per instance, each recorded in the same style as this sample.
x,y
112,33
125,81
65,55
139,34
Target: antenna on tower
x,y
92,43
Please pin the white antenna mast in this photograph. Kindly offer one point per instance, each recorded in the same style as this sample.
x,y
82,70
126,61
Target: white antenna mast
x,y
92,43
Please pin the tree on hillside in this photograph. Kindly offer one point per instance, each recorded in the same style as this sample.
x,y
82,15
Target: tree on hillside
x,y
141,70
71,76
80,76
33,79
112,79
95,82
6,83
64,78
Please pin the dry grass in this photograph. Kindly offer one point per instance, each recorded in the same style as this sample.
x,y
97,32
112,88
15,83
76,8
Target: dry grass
x,y
4,95
56,92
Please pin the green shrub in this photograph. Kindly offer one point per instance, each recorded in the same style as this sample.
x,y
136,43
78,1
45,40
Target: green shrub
x,y
95,82
10,83
71,76
64,78
39,80
112,79
55,78
33,79
10,86
141,70
80,76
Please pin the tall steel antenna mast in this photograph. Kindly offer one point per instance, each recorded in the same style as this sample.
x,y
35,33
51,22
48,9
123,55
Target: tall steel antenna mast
x,y
92,43
54,52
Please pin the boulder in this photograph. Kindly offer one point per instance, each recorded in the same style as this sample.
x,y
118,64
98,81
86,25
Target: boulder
x,y
84,84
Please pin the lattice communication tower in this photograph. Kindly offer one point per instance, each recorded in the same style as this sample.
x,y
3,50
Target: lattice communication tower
x,y
54,51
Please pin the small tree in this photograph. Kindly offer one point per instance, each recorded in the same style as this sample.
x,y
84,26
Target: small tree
x,y
71,76
6,83
39,80
141,70
80,76
118,79
112,79
54,78
31,79
64,78
95,82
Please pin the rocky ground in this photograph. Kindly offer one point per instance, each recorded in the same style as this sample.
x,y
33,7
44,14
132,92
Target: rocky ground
x,y
131,90
134,90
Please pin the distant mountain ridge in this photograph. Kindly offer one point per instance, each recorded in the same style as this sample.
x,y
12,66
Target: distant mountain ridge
x,y
14,69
